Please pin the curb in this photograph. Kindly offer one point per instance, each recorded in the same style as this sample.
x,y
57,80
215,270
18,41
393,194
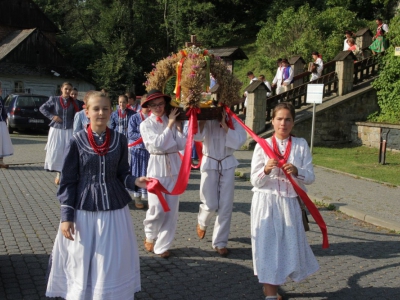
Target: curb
x,y
348,210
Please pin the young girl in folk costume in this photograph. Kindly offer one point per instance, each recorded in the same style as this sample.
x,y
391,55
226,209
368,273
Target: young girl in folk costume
x,y
61,111
80,119
279,244
133,104
139,154
6,147
120,118
220,141
95,254
162,135
380,43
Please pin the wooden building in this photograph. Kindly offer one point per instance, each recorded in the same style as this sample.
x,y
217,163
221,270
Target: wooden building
x,y
29,59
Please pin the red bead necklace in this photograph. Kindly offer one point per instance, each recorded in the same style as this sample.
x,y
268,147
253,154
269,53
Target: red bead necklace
x,y
62,103
120,115
99,149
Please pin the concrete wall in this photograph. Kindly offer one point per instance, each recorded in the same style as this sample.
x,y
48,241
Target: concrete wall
x,y
369,134
333,124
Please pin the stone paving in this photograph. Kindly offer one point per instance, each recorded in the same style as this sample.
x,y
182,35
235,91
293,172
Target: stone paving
x,y
363,261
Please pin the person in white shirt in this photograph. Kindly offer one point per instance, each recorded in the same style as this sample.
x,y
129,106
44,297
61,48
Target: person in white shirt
x,y
318,60
348,34
252,78
266,82
284,77
163,138
220,140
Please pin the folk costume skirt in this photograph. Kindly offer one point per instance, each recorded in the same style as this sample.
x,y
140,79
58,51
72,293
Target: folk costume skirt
x,y
101,263
57,142
6,147
379,45
279,243
139,161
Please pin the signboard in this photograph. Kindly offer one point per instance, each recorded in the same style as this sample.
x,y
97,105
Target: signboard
x,y
315,93
397,51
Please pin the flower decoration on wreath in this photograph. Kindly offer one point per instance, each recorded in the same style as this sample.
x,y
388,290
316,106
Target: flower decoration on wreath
x,y
192,67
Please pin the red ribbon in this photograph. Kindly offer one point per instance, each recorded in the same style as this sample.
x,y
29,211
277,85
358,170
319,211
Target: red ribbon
x,y
159,120
302,194
155,187
179,77
137,142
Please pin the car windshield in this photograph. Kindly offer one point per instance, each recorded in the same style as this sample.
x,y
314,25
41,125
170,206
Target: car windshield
x,y
29,101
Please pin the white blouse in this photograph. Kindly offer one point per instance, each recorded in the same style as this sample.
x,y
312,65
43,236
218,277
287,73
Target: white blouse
x,y
163,145
218,145
276,182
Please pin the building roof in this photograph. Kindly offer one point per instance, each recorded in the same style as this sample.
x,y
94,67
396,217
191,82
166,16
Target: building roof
x,y
233,53
11,41
342,55
295,59
255,85
24,14
10,69
362,31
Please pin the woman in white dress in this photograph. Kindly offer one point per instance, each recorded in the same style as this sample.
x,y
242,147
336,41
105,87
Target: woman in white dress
x,y
95,254
279,244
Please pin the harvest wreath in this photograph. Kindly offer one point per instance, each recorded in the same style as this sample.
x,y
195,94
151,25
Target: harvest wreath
x,y
192,67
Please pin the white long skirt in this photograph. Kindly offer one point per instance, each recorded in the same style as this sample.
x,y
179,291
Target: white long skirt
x,y
6,147
279,243
56,144
101,263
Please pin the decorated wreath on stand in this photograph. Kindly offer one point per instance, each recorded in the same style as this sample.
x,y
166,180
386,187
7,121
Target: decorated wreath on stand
x,y
192,68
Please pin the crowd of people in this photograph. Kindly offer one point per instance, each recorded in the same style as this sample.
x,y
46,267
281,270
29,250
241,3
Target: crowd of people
x,y
284,73
103,159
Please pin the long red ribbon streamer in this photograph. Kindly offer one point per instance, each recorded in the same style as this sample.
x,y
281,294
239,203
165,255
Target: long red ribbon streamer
x,y
155,187
303,195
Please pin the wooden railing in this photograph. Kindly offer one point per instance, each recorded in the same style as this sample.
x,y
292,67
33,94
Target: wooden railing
x,y
365,68
298,95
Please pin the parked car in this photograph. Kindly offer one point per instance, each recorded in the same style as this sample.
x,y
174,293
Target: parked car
x,y
23,112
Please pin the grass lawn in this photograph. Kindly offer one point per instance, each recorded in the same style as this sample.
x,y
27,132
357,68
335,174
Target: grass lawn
x,y
360,161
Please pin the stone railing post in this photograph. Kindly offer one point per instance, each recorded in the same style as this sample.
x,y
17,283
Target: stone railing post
x,y
345,71
298,64
364,40
256,106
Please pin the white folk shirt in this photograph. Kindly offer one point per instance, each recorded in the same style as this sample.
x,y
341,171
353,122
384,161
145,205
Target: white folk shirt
x,y
220,145
276,182
163,145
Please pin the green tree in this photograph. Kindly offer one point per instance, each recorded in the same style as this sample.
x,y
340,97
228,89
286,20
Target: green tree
x,y
388,82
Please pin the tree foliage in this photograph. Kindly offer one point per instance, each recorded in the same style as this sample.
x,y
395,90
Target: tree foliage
x,y
115,42
388,82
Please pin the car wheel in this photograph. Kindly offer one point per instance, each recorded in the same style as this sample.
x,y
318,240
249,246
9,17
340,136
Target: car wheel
x,y
10,129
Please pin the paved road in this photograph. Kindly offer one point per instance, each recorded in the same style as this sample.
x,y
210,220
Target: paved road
x,y
363,261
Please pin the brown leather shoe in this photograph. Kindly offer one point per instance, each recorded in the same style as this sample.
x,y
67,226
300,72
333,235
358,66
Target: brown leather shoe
x,y
200,232
222,251
4,166
148,246
165,254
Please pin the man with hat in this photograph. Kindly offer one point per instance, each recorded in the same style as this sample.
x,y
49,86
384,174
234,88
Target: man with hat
x,y
163,137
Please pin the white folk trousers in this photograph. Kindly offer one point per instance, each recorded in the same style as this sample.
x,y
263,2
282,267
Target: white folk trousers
x,y
160,226
216,195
